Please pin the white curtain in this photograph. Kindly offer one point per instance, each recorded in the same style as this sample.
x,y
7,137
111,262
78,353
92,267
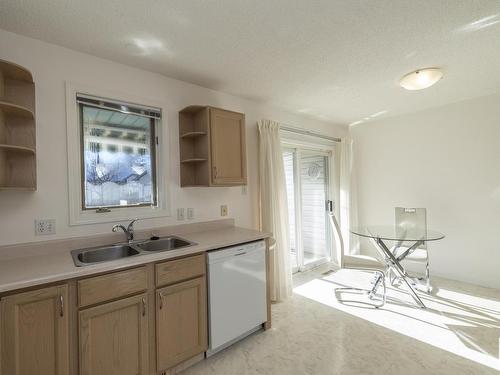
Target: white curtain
x,y
348,202
273,207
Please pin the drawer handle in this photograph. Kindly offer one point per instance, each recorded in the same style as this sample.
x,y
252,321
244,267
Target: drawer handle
x,y
242,253
61,305
144,307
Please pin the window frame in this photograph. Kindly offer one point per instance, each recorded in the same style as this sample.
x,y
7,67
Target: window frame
x,y
154,161
78,215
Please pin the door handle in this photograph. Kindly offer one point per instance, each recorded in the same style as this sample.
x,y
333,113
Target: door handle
x,y
329,206
161,300
61,305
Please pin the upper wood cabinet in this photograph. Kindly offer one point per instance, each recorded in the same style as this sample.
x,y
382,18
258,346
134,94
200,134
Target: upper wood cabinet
x,y
114,338
181,322
212,147
35,332
227,136
17,128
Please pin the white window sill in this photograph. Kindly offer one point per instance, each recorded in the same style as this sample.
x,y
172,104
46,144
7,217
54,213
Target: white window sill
x,y
117,214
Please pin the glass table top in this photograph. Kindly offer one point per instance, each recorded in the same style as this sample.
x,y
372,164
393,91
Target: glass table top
x,y
397,233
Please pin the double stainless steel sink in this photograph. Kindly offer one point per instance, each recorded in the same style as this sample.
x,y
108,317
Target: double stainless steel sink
x,y
84,257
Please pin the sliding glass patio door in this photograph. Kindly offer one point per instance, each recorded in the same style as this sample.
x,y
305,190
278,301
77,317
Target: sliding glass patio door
x,y
307,174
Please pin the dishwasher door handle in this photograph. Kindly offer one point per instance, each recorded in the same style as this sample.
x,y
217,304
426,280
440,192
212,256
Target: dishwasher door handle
x,y
242,253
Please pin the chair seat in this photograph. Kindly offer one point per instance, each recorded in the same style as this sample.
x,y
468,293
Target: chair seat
x,y
418,255
363,261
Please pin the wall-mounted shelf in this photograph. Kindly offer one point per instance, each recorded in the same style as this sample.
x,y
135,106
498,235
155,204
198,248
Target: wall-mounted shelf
x,y
17,128
16,188
193,134
13,148
11,109
194,160
16,72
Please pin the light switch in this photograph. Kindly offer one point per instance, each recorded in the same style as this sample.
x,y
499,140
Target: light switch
x,y
180,214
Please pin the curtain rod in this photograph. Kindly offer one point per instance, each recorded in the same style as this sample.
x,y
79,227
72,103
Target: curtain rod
x,y
308,132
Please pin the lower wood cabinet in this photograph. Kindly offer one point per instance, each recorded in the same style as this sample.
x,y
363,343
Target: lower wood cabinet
x,y
114,337
35,332
101,325
181,322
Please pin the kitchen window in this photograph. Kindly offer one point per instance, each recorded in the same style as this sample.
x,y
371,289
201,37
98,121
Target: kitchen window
x,y
118,153
118,156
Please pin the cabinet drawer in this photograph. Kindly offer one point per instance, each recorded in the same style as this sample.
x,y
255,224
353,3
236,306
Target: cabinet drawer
x,y
181,269
112,286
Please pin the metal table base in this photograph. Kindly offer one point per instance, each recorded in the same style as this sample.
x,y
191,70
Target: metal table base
x,y
394,264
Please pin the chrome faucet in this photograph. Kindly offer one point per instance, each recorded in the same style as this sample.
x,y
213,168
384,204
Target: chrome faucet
x,y
129,231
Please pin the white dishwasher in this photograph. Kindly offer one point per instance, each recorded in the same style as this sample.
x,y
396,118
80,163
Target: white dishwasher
x,y
236,292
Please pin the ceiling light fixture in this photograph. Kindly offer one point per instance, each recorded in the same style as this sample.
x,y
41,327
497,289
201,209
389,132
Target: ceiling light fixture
x,y
421,79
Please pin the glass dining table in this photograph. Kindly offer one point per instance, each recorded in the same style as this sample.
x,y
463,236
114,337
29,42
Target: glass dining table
x,y
380,235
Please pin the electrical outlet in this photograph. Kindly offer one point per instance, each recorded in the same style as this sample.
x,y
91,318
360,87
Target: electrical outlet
x,y
190,213
244,190
180,214
223,210
45,226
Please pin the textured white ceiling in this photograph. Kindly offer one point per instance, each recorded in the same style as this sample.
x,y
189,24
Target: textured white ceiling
x,y
336,60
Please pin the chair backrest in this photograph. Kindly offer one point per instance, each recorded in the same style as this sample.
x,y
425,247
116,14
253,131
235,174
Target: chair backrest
x,y
411,218
339,241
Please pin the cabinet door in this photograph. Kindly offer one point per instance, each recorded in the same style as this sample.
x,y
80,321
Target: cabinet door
x,y
227,145
35,332
114,338
181,322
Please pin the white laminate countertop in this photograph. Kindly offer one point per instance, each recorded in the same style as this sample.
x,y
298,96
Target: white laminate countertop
x,y
23,272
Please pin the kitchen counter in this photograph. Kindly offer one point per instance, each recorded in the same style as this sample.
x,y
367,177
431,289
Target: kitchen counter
x,y
31,269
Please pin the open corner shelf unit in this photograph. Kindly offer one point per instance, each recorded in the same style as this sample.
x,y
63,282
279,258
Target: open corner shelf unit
x,y
194,146
17,128
212,147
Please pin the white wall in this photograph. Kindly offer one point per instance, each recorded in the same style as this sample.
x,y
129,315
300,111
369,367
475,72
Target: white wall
x,y
51,67
448,160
